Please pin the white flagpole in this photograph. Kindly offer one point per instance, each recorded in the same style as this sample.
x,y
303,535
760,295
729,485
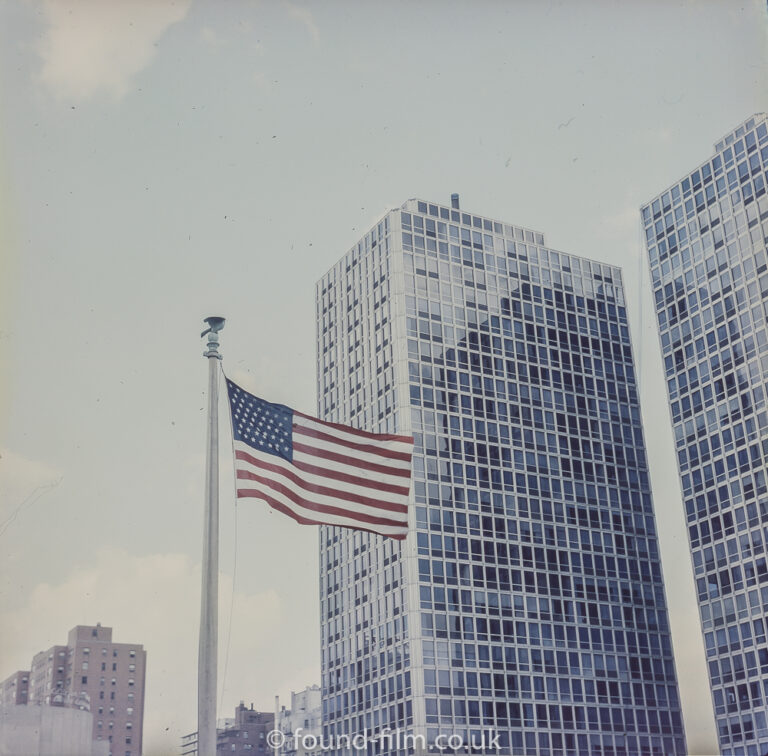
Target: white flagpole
x,y
209,620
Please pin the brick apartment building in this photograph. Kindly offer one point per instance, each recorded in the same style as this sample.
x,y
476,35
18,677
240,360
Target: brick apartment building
x,y
90,672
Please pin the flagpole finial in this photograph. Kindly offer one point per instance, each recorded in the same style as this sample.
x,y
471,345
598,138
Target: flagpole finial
x,y
215,324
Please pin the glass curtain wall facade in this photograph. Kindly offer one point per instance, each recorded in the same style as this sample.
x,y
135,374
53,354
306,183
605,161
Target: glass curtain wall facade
x,y
706,242
528,599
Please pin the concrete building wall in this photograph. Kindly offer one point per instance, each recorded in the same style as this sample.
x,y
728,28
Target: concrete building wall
x,y
47,731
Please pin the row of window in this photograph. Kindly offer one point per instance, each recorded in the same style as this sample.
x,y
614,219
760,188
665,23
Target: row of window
x,y
644,662
559,472
703,312
531,742
515,528
86,651
716,358
747,574
544,343
674,244
605,719
729,465
716,443
111,725
571,391
547,510
713,438
738,666
484,368
735,729
342,705
717,612
517,270
730,382
720,232
563,689
620,616
473,267
514,553
84,666
720,494
569,582
747,545
539,306
340,674
409,220
733,148
458,493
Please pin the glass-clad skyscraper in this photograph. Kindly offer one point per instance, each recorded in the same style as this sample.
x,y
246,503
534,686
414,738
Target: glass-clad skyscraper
x,y
527,603
706,241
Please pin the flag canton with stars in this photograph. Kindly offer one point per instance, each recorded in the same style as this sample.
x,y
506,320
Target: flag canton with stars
x,y
262,425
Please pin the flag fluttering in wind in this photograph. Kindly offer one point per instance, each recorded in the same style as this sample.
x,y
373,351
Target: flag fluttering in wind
x,y
318,472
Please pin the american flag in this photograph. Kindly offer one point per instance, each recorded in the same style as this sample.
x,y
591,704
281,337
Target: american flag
x,y
317,472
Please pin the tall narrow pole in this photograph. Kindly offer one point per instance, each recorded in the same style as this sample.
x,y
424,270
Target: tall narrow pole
x,y
209,603
278,748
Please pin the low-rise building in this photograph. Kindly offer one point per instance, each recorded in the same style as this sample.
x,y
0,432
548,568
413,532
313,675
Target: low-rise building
x,y
302,724
91,673
14,690
244,735
248,735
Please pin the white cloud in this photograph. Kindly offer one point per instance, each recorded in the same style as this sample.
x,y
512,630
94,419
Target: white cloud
x,y
95,47
304,16
20,474
153,600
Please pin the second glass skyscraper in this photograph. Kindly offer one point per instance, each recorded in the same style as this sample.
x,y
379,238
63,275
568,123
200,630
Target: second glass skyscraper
x,y
706,241
528,599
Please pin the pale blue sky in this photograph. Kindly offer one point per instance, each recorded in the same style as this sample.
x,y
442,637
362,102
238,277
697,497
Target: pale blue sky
x,y
162,162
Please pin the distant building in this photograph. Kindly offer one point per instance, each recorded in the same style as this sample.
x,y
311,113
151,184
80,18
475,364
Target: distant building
x,y
14,690
189,744
48,675
245,735
90,673
48,731
302,721
248,736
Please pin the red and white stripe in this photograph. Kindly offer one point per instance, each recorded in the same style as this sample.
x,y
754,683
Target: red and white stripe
x,y
339,476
